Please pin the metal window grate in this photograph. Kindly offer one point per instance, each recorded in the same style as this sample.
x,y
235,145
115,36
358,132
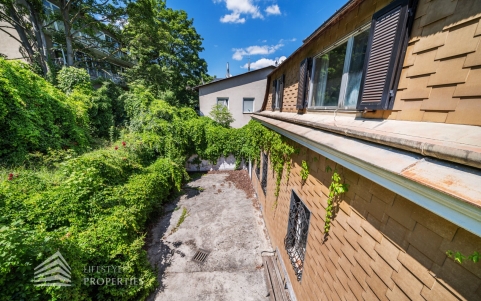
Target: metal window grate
x,y
296,238
265,165
200,256
258,169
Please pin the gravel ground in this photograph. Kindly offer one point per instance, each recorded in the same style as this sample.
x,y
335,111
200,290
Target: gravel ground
x,y
222,217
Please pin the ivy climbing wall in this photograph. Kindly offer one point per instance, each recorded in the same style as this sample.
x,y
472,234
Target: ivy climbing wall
x,y
380,245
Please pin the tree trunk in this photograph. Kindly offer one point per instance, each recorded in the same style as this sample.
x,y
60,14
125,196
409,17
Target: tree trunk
x,y
40,37
68,37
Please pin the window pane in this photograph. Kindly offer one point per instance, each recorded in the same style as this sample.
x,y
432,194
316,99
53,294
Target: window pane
x,y
355,68
222,101
328,77
248,105
277,94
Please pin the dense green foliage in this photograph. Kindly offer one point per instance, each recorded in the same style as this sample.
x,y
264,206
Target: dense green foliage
x,y
94,206
166,47
94,209
71,78
35,116
107,111
83,170
220,113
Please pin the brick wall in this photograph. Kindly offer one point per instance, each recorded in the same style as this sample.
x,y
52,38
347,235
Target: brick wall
x,y
381,245
441,77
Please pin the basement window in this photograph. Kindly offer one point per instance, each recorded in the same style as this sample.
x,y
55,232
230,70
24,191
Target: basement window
x,y
265,165
296,238
258,169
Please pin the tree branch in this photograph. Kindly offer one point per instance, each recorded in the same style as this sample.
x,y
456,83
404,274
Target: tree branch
x,y
16,39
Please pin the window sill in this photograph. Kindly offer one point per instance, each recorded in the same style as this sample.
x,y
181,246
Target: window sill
x,y
247,112
331,109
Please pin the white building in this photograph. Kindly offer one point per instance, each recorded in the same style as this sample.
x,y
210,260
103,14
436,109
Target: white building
x,y
243,94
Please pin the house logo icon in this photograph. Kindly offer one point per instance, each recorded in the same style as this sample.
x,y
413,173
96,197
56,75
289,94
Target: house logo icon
x,y
54,271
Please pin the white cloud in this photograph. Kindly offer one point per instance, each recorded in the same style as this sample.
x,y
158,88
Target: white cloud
x,y
238,7
233,18
282,41
239,53
273,10
264,63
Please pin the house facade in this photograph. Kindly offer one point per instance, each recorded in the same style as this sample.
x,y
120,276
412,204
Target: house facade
x,y
243,94
384,97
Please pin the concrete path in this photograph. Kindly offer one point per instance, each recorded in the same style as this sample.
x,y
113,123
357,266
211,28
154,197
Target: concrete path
x,y
220,219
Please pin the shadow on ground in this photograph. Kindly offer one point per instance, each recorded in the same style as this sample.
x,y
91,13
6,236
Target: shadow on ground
x,y
160,251
216,216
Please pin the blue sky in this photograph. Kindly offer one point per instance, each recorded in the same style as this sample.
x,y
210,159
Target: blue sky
x,y
264,30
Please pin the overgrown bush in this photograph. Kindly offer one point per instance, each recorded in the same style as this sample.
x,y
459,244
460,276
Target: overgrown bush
x,y
35,116
106,110
71,78
93,209
220,113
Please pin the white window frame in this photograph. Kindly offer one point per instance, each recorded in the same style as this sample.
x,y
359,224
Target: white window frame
x,y
347,60
225,99
253,104
276,96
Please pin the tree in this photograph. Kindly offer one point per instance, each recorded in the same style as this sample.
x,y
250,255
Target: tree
x,y
165,46
83,27
220,113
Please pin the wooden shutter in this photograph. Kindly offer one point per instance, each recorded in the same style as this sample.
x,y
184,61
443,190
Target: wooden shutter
x,y
274,92
281,91
384,56
302,89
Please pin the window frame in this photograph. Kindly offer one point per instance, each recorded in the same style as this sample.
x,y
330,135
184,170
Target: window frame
x,y
294,261
265,171
276,98
277,90
342,94
226,99
243,104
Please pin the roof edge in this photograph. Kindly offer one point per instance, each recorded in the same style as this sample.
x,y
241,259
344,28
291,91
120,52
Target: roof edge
x,y
444,152
235,76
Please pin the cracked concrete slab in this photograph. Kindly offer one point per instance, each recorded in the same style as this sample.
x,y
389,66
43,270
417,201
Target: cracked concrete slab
x,y
222,220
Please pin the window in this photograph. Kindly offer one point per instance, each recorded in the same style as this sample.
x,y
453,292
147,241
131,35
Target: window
x,y
223,101
278,93
258,169
296,238
265,165
337,73
248,105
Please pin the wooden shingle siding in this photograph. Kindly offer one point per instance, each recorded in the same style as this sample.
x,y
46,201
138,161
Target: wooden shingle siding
x,y
381,246
444,50
447,53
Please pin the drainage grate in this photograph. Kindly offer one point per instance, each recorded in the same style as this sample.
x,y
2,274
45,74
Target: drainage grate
x,y
200,256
